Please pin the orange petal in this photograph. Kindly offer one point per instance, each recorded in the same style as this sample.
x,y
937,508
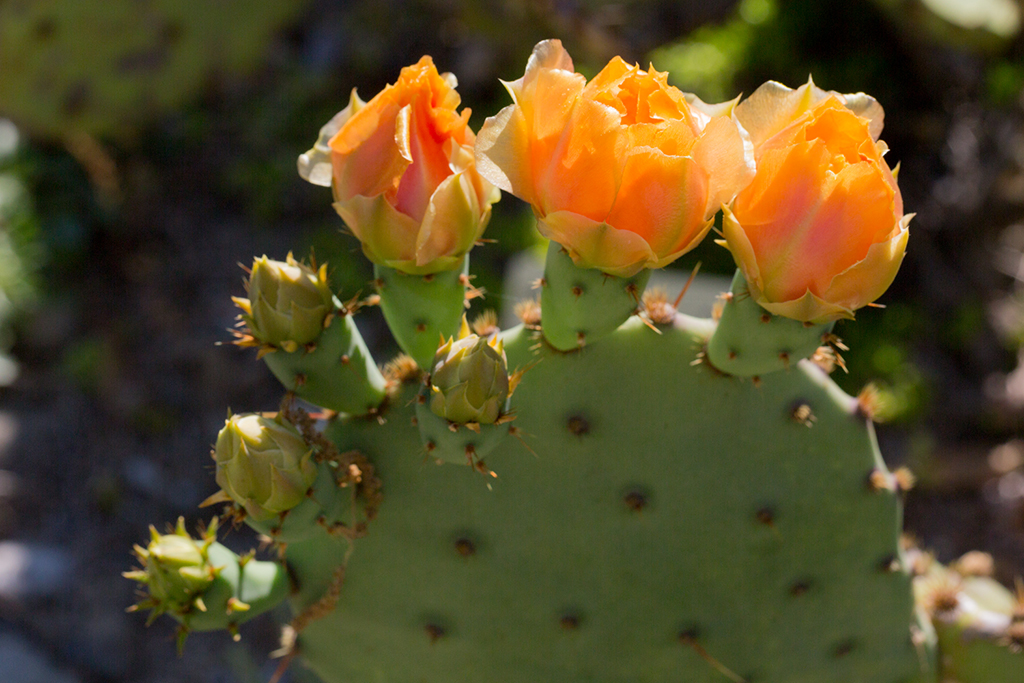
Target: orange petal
x,y
868,279
661,198
579,172
503,152
367,159
727,156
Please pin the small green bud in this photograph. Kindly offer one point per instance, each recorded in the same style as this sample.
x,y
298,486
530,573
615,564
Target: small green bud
x,y
469,381
263,464
288,302
176,570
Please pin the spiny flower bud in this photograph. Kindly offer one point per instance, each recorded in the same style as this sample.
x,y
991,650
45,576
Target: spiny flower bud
x,y
176,570
288,302
470,381
263,464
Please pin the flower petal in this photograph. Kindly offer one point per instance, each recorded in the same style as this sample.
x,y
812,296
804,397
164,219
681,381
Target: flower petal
x,y
594,244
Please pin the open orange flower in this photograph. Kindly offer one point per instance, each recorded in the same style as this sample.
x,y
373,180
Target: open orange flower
x,y
820,231
403,173
625,172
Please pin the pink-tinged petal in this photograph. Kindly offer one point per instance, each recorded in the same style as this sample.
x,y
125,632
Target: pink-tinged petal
x,y
594,244
725,153
661,198
429,165
581,172
367,159
787,189
855,215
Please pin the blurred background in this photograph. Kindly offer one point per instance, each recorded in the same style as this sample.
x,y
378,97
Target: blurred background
x,y
147,147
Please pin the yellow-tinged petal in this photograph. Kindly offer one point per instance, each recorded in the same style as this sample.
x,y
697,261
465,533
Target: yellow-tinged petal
x,y
589,242
869,278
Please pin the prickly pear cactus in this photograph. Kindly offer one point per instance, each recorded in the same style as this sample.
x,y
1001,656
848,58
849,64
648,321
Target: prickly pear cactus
x,y
610,491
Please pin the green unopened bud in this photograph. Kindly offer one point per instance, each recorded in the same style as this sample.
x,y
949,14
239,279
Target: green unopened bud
x,y
263,464
176,569
469,381
288,302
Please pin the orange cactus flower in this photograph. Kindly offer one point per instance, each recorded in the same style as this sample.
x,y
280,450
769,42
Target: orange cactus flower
x,y
403,173
820,231
626,172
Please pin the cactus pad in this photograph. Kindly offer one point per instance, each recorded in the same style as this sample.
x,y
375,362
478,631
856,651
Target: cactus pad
x,y
657,521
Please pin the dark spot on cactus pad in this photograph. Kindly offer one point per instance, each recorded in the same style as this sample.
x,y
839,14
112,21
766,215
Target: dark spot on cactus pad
x,y
844,648
577,291
766,516
636,499
435,632
688,635
45,29
421,327
465,547
570,621
800,588
766,317
429,277
578,425
732,354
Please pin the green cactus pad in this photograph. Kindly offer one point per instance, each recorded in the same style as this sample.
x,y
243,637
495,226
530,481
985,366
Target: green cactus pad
x,y
461,446
750,341
421,309
337,372
658,522
580,305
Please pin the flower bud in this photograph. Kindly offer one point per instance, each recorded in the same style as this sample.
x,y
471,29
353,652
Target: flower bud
x,y
288,302
263,464
820,231
176,569
469,382
403,173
